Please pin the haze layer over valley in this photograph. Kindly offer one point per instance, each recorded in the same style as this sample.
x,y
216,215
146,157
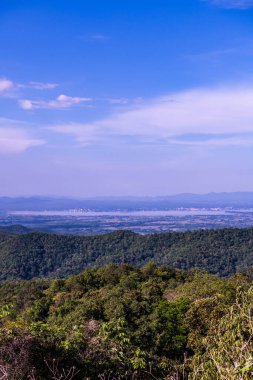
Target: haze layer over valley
x,y
139,214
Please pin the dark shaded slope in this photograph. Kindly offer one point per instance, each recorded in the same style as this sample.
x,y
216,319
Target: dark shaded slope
x,y
220,252
5,235
15,229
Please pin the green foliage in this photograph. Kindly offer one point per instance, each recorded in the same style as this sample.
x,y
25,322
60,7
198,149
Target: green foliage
x,y
171,316
229,347
222,252
5,310
121,322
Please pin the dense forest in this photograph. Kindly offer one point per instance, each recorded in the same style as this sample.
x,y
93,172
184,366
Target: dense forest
x,y
121,322
175,306
27,255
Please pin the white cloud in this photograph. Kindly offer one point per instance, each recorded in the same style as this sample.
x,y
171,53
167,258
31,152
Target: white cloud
x,y
16,141
15,138
5,85
236,4
11,89
61,102
217,111
26,104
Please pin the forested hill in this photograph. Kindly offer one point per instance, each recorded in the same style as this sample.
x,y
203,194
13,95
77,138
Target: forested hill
x,y
123,322
15,229
222,252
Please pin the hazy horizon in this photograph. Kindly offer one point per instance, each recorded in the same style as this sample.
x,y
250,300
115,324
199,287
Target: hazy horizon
x,y
126,98
127,196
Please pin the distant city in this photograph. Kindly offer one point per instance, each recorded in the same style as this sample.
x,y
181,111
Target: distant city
x,y
142,215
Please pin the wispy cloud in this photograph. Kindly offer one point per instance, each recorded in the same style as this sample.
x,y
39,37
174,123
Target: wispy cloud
x,y
125,101
99,37
230,4
119,101
61,102
11,89
84,134
5,85
39,85
14,138
242,49
216,142
220,112
94,37
213,55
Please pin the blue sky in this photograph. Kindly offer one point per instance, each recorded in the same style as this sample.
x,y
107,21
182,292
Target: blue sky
x,y
126,97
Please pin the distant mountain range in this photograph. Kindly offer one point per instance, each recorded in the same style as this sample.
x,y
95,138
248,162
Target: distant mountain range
x,y
187,200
